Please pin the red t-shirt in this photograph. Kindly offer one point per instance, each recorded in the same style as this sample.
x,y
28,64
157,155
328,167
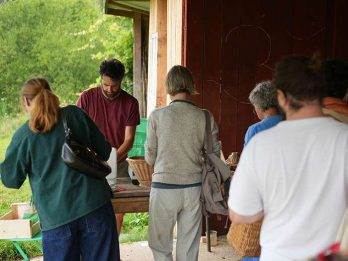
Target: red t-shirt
x,y
111,116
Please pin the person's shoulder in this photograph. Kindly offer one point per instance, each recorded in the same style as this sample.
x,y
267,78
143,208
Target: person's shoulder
x,y
71,108
128,97
333,123
263,135
22,133
90,92
255,128
74,111
276,118
156,113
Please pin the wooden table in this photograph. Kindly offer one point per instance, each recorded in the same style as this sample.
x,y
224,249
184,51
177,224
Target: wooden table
x,y
133,199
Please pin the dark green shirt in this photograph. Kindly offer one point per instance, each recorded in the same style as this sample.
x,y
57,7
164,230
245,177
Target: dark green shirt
x,y
60,193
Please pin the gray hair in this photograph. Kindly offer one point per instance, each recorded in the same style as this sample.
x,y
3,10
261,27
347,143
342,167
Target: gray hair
x,y
179,79
264,96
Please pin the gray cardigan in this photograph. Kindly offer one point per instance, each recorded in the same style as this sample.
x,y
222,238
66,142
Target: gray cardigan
x,y
175,138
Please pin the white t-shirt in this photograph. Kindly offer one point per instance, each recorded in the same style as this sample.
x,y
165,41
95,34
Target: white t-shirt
x,y
297,172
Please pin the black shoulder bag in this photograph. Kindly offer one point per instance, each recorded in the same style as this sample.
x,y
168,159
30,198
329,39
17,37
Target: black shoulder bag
x,y
80,157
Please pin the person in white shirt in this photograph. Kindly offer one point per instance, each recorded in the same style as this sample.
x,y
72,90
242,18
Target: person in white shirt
x,y
294,176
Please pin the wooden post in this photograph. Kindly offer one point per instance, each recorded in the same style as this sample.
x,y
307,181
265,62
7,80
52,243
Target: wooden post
x,y
140,60
157,54
137,86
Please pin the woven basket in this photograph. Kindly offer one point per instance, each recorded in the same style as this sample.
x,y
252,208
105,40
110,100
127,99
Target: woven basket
x,y
245,239
142,170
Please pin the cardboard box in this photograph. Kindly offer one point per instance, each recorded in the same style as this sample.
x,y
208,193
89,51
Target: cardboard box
x,y
13,226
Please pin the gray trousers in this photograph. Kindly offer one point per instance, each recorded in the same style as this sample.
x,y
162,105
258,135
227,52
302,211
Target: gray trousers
x,y
170,206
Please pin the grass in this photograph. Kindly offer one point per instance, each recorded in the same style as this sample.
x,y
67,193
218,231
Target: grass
x,y
8,126
134,225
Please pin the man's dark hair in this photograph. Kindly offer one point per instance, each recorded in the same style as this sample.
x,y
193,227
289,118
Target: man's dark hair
x,y
301,79
336,75
112,68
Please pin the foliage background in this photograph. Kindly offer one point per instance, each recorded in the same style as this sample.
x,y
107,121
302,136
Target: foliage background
x,y
61,40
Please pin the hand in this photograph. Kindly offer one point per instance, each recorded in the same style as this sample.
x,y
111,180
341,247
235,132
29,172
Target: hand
x,y
119,189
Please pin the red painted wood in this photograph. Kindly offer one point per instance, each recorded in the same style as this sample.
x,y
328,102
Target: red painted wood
x,y
233,44
340,30
194,36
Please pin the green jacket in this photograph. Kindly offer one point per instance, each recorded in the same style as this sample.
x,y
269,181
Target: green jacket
x,y
60,193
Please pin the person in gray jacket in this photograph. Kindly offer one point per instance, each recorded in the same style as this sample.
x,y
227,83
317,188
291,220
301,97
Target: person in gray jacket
x,y
175,139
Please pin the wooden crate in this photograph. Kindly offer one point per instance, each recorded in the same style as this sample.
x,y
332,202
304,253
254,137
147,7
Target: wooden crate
x,y
13,226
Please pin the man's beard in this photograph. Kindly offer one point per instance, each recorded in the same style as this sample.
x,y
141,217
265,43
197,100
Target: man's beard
x,y
111,95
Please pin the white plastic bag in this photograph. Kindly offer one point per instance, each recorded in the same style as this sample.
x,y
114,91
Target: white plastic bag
x,y
112,177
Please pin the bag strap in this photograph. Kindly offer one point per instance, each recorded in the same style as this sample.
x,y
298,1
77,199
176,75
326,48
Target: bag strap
x,y
208,138
65,124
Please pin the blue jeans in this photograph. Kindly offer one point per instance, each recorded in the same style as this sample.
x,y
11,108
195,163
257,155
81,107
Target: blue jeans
x,y
91,237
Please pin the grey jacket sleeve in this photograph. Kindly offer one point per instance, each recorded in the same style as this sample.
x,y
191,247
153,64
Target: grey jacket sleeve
x,y
151,141
215,134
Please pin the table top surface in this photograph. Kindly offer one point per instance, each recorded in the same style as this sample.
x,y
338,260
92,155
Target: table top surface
x,y
130,191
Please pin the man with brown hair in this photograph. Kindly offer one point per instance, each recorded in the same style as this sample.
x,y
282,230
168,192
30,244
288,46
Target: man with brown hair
x,y
294,175
115,112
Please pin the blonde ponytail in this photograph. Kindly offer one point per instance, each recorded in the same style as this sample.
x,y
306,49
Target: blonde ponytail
x,y
44,104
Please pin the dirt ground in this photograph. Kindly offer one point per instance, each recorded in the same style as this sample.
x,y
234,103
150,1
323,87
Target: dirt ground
x,y
140,251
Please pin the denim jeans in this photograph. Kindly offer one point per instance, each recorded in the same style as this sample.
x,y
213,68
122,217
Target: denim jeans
x,y
89,238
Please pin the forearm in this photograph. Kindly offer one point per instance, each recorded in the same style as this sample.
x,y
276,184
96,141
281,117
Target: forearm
x,y
122,151
240,219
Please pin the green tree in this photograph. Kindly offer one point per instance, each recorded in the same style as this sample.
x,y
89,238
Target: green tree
x,y
61,40
116,36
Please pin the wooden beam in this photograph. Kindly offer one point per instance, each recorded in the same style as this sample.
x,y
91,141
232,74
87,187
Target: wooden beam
x,y
119,12
126,7
175,32
157,55
137,86
162,52
129,1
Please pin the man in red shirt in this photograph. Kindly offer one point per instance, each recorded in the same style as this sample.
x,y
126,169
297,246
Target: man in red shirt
x,y
115,112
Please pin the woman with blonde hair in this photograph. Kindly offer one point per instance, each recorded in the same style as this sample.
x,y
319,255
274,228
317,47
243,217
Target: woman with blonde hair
x,y
75,211
175,139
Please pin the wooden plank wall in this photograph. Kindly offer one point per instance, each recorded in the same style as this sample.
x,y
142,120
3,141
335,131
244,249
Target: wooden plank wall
x,y
233,44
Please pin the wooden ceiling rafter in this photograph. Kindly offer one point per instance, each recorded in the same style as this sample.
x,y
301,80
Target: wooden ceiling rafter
x,y
119,12
124,8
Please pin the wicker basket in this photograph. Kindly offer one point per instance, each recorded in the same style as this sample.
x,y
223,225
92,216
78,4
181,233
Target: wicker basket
x,y
142,170
245,239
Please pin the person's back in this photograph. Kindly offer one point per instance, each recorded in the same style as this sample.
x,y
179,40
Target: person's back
x,y
175,139
304,187
82,202
180,130
295,175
